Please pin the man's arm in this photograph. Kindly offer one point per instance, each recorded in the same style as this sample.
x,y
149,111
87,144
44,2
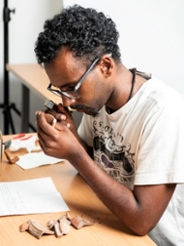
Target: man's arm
x,y
140,209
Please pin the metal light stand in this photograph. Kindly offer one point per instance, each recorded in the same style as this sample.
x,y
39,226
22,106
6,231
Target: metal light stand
x,y
7,106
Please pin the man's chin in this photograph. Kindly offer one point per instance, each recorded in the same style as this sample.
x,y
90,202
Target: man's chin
x,y
86,110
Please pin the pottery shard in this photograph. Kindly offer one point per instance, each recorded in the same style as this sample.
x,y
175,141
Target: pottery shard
x,y
37,229
10,159
79,222
24,227
64,224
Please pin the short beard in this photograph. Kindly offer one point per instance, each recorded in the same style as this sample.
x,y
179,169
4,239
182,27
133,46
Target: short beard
x,y
87,110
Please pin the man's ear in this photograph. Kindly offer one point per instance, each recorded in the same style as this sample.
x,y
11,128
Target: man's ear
x,y
106,65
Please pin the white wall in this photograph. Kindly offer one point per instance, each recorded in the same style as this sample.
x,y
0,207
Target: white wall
x,y
151,38
151,35
24,27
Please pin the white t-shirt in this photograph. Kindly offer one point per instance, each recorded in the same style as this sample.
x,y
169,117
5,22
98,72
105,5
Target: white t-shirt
x,y
142,143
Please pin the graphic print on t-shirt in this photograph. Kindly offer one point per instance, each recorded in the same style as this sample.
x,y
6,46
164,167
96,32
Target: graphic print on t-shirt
x,y
112,154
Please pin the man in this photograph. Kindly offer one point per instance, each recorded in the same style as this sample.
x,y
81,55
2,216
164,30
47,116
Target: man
x,y
129,145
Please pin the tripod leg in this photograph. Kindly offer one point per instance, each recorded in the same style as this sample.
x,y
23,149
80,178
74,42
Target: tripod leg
x,y
25,109
9,118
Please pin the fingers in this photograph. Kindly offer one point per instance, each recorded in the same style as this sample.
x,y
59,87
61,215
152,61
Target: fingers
x,y
50,119
62,114
65,112
59,126
45,131
45,123
48,135
41,131
58,116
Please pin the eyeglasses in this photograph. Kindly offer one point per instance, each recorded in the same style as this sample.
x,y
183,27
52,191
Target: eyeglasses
x,y
73,94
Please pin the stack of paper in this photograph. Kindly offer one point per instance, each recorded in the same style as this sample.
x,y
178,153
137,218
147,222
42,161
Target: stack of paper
x,y
30,197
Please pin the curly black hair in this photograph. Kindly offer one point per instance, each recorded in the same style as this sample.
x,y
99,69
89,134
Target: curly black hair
x,y
85,31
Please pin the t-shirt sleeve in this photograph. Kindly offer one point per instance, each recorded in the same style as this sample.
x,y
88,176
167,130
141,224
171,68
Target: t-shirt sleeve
x,y
160,156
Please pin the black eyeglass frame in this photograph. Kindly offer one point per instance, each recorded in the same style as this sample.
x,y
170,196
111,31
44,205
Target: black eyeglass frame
x,y
73,94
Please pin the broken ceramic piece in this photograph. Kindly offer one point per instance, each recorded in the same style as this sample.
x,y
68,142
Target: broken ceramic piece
x,y
10,159
79,222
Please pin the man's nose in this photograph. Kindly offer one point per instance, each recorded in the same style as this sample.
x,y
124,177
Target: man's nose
x,y
67,102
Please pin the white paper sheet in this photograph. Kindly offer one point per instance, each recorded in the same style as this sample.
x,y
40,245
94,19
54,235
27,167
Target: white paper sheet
x,y
32,160
27,142
30,197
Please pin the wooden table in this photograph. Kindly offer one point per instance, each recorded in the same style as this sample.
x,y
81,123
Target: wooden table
x,y
33,77
107,230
